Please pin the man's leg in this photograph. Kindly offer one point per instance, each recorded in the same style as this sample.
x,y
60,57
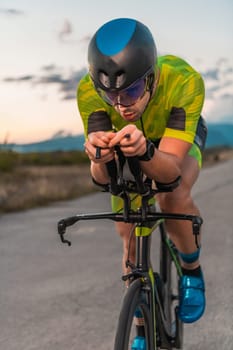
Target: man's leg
x,y
192,302
180,201
124,230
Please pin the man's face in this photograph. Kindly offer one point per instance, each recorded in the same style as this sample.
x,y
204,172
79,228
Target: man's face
x,y
133,112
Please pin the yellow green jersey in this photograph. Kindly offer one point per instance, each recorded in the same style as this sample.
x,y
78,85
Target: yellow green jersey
x,y
173,110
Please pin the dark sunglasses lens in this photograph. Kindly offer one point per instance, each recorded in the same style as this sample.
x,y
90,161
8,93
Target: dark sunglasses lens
x,y
136,90
125,97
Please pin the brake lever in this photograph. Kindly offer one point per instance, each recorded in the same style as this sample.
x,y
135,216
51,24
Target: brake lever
x,y
196,224
61,228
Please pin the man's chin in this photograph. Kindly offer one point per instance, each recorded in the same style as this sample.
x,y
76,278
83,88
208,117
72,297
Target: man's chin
x,y
130,117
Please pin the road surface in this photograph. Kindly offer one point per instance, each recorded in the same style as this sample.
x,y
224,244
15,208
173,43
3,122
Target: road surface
x,y
55,297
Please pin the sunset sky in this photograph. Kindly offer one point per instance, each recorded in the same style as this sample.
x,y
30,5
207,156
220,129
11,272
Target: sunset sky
x,y
44,54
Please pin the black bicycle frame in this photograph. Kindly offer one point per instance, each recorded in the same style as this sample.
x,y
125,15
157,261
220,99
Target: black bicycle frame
x,y
142,269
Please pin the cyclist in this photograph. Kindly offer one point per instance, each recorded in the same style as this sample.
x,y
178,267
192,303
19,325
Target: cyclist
x,y
158,102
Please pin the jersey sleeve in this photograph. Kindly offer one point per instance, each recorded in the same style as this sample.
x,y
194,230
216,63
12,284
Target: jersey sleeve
x,y
88,101
186,107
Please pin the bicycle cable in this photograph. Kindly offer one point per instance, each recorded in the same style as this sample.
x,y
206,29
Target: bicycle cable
x,y
128,263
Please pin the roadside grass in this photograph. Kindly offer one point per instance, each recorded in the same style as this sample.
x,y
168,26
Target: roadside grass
x,y
37,179
9,159
31,186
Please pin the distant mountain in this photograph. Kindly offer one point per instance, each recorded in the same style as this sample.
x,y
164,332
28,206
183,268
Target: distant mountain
x,y
63,143
218,135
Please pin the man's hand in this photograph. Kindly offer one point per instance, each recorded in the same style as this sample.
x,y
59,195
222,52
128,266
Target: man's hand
x,y
130,139
99,139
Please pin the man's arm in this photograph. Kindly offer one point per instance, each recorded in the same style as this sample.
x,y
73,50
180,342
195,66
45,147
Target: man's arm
x,y
165,166
99,173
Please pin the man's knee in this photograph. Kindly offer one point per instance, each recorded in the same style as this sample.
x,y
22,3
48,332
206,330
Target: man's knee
x,y
172,201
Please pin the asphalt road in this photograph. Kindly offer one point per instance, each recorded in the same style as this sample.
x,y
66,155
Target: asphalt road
x,y
55,297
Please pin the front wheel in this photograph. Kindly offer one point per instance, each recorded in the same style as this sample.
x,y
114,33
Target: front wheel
x,y
134,299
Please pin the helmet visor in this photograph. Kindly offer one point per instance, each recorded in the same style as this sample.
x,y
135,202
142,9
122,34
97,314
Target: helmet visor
x,y
125,97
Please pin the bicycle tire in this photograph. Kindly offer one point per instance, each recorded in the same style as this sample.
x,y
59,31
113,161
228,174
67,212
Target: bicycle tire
x,y
170,290
133,299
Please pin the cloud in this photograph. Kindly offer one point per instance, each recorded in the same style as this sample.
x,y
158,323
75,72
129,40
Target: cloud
x,y
219,109
219,79
211,74
22,78
67,82
66,30
219,92
69,88
48,67
11,12
66,34
53,78
52,75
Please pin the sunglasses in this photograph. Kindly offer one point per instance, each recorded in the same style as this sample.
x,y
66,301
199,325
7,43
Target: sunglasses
x,y
125,97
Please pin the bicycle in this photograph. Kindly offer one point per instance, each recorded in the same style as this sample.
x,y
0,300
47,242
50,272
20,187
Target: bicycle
x,y
151,294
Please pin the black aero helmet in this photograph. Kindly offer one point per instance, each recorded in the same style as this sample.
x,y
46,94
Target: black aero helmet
x,y
120,52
